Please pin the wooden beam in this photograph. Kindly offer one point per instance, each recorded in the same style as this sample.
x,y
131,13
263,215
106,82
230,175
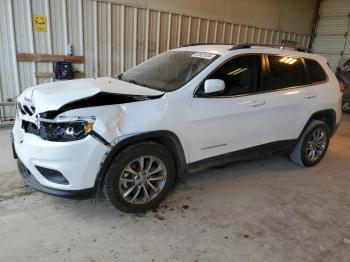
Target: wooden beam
x,y
49,58
44,74
78,75
51,75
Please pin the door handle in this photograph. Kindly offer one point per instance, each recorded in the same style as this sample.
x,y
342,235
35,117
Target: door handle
x,y
257,103
309,96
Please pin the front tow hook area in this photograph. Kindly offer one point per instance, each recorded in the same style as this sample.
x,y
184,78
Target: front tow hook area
x,y
13,147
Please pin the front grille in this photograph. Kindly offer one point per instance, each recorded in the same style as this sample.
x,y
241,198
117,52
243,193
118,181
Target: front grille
x,y
20,108
30,127
25,109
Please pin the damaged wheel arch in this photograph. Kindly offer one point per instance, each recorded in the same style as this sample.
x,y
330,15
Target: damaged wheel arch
x,y
166,138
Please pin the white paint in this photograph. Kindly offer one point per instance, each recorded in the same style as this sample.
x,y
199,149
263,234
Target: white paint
x,y
201,124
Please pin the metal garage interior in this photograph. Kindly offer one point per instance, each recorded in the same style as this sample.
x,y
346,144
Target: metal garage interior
x,y
262,210
332,33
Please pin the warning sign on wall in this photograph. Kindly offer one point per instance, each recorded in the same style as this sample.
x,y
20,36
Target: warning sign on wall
x,y
39,23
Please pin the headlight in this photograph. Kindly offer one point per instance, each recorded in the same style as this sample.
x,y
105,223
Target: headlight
x,y
65,129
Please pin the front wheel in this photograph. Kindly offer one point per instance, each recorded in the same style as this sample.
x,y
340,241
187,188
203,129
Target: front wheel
x,y
312,145
139,177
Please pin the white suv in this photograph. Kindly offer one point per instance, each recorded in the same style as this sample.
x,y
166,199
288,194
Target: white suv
x,y
189,108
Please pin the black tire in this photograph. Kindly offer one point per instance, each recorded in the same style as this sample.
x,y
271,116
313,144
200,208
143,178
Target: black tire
x,y
110,185
299,155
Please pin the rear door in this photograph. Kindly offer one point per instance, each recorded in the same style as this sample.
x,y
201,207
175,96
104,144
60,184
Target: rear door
x,y
290,99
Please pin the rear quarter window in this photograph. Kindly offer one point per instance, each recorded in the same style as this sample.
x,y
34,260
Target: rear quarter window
x,y
316,72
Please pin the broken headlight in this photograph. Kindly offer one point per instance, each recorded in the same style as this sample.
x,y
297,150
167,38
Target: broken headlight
x,y
65,129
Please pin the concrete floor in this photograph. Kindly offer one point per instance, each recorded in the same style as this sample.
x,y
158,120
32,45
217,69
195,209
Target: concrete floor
x,y
266,210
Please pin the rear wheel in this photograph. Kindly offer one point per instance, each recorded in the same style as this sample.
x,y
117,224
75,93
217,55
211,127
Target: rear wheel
x,y
139,177
312,145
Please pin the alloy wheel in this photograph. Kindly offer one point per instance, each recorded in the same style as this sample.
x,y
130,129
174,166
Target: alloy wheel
x,y
142,179
316,144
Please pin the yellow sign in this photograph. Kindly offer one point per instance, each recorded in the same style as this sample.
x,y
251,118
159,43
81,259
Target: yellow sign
x,y
39,23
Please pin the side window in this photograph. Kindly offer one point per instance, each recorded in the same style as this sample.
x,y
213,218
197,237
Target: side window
x,y
316,72
283,72
241,75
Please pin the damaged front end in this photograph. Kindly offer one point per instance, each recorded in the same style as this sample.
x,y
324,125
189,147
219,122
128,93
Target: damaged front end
x,y
62,129
100,99
53,126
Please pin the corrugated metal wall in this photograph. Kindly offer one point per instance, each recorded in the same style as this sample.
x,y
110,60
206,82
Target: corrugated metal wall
x,y
332,35
112,37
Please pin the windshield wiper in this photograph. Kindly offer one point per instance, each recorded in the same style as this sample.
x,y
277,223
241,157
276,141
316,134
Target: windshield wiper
x,y
132,81
136,83
118,76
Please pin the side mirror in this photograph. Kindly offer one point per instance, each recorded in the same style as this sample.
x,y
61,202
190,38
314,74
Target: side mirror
x,y
214,86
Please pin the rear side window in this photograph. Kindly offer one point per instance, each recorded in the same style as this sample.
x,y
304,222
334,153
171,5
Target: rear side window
x,y
283,72
316,72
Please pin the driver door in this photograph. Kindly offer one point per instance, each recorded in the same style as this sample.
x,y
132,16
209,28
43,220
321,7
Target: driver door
x,y
232,120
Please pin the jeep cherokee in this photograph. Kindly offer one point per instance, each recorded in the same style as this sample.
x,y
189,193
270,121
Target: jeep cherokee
x,y
193,107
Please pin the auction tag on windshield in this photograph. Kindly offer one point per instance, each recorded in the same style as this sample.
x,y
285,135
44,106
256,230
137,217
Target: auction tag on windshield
x,y
204,55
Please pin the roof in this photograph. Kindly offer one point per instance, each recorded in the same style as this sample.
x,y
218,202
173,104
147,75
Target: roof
x,y
222,49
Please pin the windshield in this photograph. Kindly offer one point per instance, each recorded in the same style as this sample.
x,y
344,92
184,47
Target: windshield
x,y
168,71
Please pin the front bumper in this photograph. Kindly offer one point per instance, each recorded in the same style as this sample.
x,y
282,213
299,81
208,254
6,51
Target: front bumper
x,y
31,181
78,161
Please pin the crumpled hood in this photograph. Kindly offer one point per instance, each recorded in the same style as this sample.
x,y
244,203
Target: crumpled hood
x,y
52,96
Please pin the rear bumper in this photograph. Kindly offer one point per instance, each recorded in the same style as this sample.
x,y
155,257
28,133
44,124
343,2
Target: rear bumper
x,y
31,181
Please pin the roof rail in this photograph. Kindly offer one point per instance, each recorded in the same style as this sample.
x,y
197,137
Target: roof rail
x,y
195,44
249,45
280,46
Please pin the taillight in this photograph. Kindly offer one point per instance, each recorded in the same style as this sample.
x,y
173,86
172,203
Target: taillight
x,y
341,86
